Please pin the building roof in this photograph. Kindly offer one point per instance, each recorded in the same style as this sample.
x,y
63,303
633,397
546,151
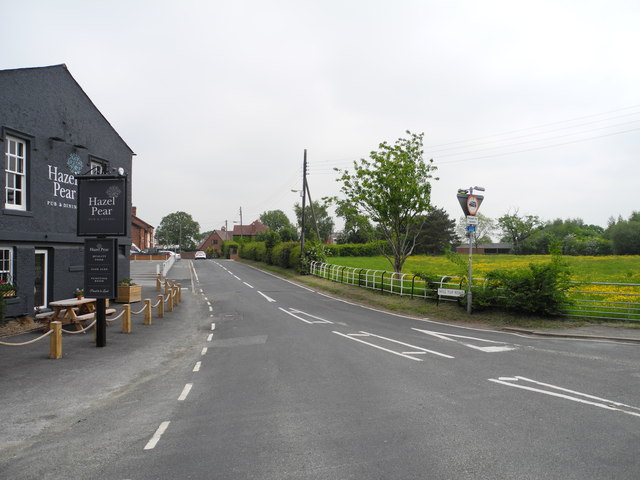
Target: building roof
x,y
47,79
251,230
223,235
140,223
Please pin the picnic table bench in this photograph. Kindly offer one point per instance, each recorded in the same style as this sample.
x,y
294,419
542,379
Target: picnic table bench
x,y
71,311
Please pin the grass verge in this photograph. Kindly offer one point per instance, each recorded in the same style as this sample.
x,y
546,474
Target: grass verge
x,y
444,311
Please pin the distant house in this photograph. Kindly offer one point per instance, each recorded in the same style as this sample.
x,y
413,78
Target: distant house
x,y
215,239
141,231
487,249
248,231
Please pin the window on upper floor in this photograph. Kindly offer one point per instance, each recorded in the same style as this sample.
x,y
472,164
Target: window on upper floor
x,y
97,167
15,186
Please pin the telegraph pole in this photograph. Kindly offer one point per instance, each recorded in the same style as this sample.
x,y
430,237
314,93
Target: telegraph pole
x,y
304,197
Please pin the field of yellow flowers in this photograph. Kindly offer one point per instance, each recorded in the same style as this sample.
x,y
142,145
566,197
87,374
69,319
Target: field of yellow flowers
x,y
595,276
607,269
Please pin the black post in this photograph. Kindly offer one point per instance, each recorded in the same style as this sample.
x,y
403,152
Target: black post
x,y
101,322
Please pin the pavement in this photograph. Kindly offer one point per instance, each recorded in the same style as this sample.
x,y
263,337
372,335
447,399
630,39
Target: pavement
x,y
37,393
590,332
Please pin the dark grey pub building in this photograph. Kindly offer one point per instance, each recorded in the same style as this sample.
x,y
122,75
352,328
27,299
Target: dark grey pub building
x,y
50,132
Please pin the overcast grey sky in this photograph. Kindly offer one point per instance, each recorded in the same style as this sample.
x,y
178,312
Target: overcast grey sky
x,y
538,101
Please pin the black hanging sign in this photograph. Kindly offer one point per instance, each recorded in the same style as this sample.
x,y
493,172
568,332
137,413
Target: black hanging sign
x,y
100,267
102,206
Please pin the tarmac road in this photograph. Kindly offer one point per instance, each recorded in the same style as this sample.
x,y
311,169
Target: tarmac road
x,y
253,377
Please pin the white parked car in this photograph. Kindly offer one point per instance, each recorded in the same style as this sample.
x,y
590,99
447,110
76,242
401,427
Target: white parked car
x,y
200,255
170,253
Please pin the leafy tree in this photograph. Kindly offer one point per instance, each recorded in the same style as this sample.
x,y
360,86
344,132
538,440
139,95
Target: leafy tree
x,y
392,188
438,233
317,221
357,228
180,229
271,238
625,235
275,220
484,230
278,221
573,235
517,229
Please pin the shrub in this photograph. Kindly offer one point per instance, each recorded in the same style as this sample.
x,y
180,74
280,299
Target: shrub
x,y
540,289
281,254
227,247
253,251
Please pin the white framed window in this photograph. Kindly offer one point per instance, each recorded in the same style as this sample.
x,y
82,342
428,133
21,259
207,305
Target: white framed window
x,y
97,168
15,188
6,264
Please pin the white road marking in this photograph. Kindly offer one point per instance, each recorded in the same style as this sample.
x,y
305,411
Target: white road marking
x,y
197,366
206,299
377,346
204,351
210,308
319,319
210,337
151,444
185,392
237,277
293,312
250,286
268,298
503,347
213,326
409,345
607,405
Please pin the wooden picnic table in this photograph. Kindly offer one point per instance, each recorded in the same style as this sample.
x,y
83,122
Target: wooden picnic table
x,y
72,310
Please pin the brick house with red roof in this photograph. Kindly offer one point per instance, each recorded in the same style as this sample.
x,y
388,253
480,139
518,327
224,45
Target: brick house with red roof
x,y
141,231
215,239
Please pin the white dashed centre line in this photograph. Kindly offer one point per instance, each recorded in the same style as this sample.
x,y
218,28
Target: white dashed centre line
x,y
197,366
210,337
185,392
151,444
204,351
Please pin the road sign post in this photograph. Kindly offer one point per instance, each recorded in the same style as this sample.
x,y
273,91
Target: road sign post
x,y
470,204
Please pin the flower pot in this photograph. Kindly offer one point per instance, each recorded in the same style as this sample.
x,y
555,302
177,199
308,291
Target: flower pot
x,y
129,293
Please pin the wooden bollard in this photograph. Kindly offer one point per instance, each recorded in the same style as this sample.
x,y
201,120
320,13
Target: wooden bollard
x,y
158,283
176,299
160,306
55,342
179,293
126,318
147,311
170,302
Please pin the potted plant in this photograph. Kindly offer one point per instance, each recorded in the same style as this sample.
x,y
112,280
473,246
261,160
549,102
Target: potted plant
x,y
78,293
129,291
7,289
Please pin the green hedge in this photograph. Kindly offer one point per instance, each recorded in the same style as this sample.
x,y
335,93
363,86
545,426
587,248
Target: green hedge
x,y
370,249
